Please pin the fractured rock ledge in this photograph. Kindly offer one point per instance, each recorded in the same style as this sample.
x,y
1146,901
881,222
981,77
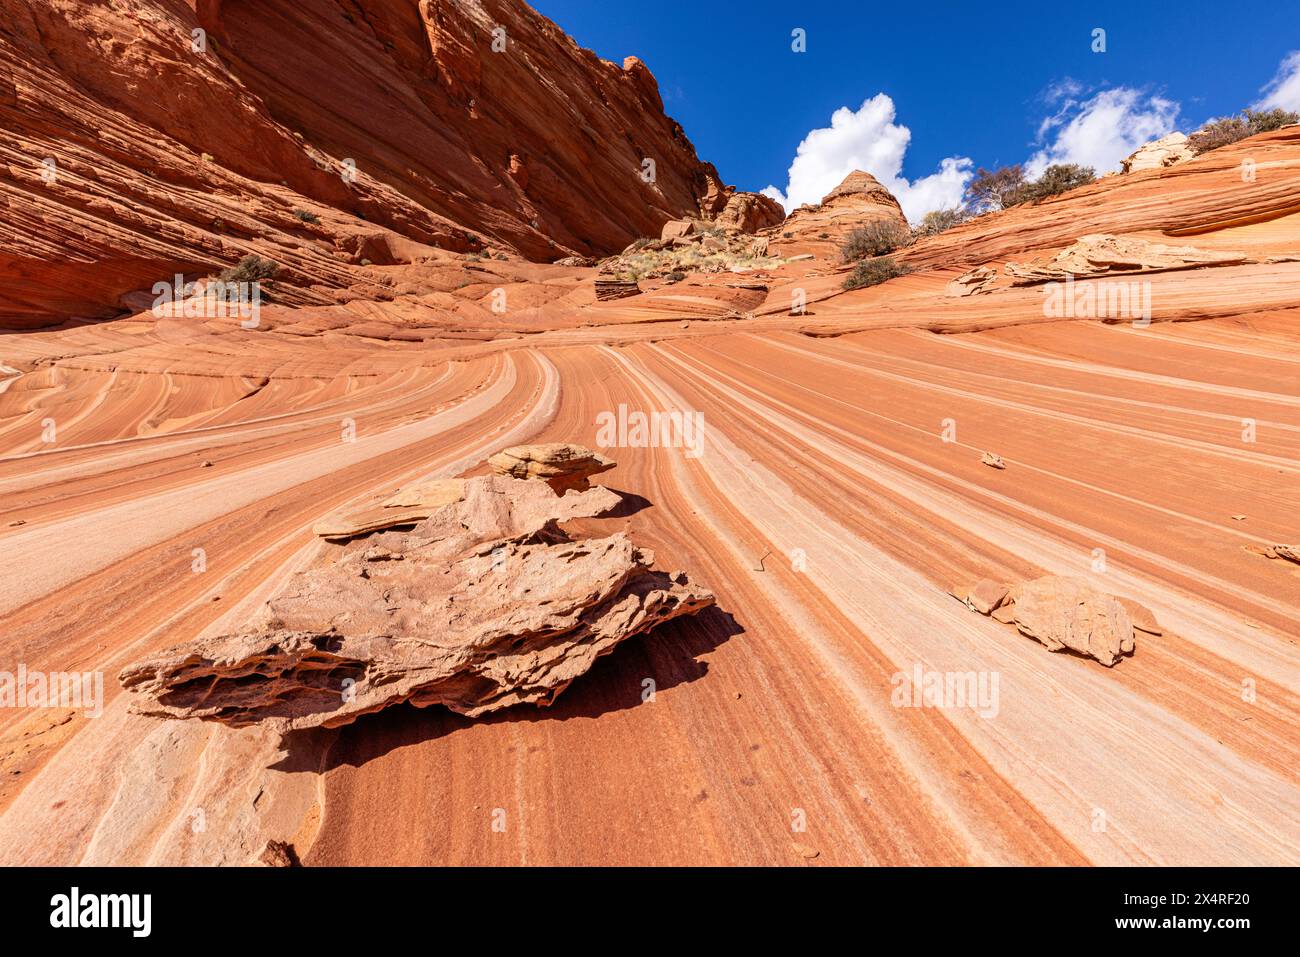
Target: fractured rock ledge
x,y
1159,154
561,465
407,507
487,604
1102,255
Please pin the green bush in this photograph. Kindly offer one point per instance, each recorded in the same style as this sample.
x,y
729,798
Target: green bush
x,y
305,216
875,239
872,272
250,269
1230,129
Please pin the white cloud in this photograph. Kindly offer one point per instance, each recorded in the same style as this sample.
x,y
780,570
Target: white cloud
x,y
1283,91
868,139
1101,131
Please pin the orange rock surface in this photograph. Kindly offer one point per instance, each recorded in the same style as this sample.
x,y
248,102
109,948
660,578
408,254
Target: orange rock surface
x,y
835,494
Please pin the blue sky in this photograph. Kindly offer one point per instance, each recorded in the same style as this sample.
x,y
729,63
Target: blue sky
x,y
969,81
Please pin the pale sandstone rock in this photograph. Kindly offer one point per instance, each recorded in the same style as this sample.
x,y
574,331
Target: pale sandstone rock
x,y
1068,613
407,507
436,494
975,282
677,229
992,461
368,520
561,465
1159,154
1102,254
490,605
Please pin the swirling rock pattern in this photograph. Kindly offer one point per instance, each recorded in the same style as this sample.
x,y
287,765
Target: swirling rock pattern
x,y
839,492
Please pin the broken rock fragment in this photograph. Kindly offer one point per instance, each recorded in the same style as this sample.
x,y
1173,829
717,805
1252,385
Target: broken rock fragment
x,y
1064,614
1159,154
410,505
677,229
278,854
986,596
487,604
1290,553
561,465
973,282
1068,613
607,288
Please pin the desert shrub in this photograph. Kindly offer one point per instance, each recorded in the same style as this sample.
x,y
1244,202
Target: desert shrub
x,y
996,189
1218,133
1266,121
251,269
1057,179
938,220
641,242
872,272
1230,129
675,276
1007,187
305,216
875,239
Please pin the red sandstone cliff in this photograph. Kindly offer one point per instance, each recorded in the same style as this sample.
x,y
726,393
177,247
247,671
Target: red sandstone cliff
x,y
129,151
